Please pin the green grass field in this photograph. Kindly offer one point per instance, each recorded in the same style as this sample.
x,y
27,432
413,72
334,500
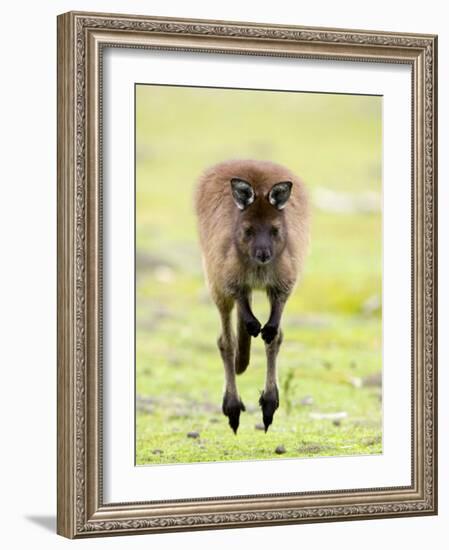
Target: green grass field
x,y
330,362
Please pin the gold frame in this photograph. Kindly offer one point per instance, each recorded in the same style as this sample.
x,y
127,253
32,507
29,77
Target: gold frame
x,y
81,38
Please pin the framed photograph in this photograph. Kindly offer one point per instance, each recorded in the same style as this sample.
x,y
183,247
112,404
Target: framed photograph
x,y
247,283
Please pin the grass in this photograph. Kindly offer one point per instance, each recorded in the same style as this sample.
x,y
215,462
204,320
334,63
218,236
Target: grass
x,y
332,348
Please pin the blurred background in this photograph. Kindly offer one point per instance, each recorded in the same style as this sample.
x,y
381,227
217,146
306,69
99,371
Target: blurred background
x,y
330,362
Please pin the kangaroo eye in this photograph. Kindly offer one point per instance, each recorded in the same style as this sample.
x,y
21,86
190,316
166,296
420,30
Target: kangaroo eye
x,y
248,231
275,231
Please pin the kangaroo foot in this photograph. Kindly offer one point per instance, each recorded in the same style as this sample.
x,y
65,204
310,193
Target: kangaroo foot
x,y
269,402
232,407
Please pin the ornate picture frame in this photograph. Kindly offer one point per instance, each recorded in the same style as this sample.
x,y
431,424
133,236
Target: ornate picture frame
x,y
82,38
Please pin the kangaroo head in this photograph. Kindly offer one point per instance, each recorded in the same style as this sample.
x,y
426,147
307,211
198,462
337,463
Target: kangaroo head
x,y
260,231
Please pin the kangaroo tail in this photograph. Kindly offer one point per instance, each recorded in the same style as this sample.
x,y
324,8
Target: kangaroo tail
x,y
243,346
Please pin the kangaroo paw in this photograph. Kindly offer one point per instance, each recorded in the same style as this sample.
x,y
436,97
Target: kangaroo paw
x,y
253,327
269,333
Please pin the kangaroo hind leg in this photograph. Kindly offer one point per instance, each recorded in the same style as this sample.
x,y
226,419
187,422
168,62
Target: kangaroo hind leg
x,y
232,405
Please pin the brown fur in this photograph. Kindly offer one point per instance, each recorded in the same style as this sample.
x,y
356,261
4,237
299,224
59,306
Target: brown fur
x,y
230,273
218,218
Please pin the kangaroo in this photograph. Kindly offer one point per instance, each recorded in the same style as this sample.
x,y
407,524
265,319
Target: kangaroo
x,y
253,230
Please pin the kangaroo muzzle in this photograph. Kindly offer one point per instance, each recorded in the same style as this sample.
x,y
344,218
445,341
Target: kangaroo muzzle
x,y
263,256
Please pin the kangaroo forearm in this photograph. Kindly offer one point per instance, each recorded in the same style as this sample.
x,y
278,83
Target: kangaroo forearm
x,y
277,301
245,308
249,319
276,313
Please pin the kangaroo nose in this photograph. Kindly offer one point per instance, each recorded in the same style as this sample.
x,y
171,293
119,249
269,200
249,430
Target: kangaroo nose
x,y
263,255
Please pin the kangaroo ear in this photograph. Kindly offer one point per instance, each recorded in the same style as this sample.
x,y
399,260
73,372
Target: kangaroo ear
x,y
242,193
279,194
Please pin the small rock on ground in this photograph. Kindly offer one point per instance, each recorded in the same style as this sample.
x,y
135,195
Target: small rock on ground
x,y
307,400
193,435
280,450
373,380
259,427
328,416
